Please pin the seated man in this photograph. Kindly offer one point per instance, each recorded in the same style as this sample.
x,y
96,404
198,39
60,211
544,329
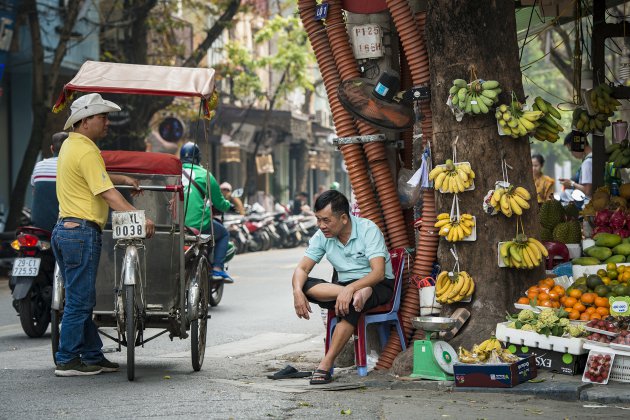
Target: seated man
x,y
197,204
356,249
45,208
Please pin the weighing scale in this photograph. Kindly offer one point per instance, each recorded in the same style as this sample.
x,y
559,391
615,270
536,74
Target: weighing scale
x,y
432,358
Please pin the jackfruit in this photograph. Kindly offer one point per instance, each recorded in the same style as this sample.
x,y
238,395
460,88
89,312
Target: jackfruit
x,y
551,213
571,211
546,235
568,232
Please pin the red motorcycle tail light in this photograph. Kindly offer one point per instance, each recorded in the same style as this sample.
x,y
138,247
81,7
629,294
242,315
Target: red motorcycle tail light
x,y
27,241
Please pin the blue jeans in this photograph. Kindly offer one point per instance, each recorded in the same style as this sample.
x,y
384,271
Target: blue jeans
x,y
78,251
221,242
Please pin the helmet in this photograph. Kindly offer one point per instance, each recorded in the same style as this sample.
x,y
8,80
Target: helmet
x,y
334,185
226,186
189,153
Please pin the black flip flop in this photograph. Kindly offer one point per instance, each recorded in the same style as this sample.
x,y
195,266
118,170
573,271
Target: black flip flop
x,y
321,377
289,372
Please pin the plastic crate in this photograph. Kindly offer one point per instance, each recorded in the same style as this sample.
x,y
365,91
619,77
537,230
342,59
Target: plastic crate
x,y
620,369
532,339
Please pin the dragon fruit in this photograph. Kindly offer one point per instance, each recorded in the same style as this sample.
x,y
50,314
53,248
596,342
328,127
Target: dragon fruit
x,y
617,220
599,229
602,217
624,232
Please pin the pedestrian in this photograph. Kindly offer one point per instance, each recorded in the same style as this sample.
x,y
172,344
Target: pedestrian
x,y
583,179
198,209
45,208
300,203
356,249
544,183
226,190
85,192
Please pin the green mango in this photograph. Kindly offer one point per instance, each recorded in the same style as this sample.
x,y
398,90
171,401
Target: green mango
x,y
600,252
622,249
609,240
616,258
626,240
586,261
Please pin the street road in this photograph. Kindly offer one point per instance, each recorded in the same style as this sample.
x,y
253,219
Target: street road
x,y
253,332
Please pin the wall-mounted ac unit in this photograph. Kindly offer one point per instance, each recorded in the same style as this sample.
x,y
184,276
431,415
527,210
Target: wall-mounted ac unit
x,y
322,117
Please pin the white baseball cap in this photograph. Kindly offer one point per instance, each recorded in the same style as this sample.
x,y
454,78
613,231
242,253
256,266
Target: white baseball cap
x,y
226,186
88,105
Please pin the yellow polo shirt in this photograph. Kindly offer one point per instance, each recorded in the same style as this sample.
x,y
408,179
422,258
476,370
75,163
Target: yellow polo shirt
x,y
81,177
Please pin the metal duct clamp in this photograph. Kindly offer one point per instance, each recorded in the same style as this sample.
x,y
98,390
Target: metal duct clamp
x,y
340,141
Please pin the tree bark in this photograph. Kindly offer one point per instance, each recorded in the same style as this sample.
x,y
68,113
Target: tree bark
x,y
483,34
43,91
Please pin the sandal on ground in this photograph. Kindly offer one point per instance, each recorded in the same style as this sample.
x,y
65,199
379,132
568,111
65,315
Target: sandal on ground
x,y
321,377
289,372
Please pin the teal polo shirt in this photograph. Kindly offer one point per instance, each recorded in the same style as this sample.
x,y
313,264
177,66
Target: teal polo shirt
x,y
352,260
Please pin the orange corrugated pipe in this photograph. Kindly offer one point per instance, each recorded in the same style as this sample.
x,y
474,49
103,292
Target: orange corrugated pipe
x,y
344,123
375,151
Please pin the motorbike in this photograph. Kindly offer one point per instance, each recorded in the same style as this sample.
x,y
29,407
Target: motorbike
x,y
308,225
31,279
289,229
239,235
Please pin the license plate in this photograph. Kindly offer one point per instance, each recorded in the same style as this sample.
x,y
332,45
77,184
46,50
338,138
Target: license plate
x,y
26,267
128,224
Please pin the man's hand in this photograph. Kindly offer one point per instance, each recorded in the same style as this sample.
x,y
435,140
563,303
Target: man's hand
x,y
344,298
149,227
301,305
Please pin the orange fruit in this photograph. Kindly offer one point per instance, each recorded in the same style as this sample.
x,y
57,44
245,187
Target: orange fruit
x,y
546,304
596,316
602,311
590,310
574,315
569,302
585,317
579,307
543,297
534,289
559,290
563,299
588,298
602,302
523,301
555,304
553,296
532,295
575,293
548,283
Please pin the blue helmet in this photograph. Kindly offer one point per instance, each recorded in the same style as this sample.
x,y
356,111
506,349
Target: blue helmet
x,y
190,153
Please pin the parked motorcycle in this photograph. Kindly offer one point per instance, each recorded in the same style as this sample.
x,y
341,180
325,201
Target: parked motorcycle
x,y
31,279
239,234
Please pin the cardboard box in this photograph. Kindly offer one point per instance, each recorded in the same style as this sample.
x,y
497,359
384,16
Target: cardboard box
x,y
554,361
495,376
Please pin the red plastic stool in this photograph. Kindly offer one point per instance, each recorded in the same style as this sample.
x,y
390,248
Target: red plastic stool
x,y
556,249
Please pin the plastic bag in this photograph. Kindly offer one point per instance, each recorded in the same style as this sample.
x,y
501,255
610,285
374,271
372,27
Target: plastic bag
x,y
407,193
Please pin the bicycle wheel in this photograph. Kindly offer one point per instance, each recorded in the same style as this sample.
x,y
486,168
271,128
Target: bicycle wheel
x,y
199,327
130,329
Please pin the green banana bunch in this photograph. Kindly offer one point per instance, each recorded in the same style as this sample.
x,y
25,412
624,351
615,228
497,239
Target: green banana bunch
x,y
599,101
476,97
619,154
548,128
522,252
515,122
587,123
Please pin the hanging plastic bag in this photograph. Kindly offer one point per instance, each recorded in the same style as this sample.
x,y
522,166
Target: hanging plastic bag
x,y
408,193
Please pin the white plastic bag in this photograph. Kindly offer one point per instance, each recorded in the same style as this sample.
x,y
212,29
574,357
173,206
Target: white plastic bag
x,y
407,193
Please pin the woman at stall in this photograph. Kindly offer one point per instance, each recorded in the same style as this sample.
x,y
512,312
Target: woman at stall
x,y
544,184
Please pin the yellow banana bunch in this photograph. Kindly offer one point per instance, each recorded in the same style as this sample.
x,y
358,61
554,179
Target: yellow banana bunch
x,y
489,345
450,289
455,229
476,97
522,252
548,128
599,101
510,200
452,177
515,122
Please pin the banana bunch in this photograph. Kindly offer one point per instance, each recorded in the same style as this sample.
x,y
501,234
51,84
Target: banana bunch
x,y
488,345
452,177
453,289
619,154
476,97
599,100
548,127
515,122
455,229
493,355
587,123
510,200
523,252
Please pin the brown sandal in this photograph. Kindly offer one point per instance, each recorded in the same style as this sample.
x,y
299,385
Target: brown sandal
x,y
321,377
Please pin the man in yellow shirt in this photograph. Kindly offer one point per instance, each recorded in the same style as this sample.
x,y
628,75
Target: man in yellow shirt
x,y
85,192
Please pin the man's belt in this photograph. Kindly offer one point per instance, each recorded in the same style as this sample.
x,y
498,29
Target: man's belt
x,y
88,223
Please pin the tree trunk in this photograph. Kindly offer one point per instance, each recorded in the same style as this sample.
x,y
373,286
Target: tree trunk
x,y
458,35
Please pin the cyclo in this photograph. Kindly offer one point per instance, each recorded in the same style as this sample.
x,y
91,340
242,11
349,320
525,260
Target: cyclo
x,y
161,282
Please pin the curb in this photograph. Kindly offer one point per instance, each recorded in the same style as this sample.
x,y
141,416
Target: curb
x,y
565,391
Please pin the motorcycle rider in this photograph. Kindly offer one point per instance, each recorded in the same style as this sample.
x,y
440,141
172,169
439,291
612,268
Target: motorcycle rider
x,y
198,210
226,189
45,208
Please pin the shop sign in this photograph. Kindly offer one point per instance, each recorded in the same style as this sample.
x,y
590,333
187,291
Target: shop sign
x,y
264,164
620,306
367,41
